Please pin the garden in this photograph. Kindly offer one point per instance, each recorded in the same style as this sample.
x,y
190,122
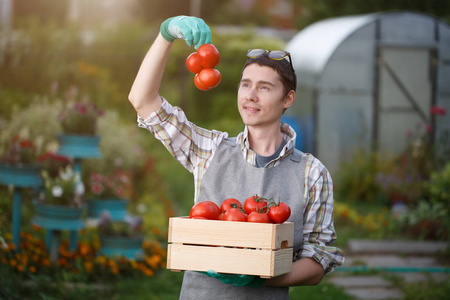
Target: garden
x,y
58,82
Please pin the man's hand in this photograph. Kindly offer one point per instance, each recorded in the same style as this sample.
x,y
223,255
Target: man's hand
x,y
237,280
194,30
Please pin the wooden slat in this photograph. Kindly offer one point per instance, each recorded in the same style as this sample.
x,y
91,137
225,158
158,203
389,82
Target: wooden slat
x,y
263,262
234,234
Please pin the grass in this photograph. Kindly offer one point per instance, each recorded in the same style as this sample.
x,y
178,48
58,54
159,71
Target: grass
x,y
323,291
166,285
429,289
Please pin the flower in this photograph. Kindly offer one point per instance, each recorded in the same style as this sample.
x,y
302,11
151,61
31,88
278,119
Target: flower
x,y
437,110
80,118
114,185
20,152
57,191
65,189
53,163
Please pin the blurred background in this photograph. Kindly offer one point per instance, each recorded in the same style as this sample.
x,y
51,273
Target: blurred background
x,y
372,103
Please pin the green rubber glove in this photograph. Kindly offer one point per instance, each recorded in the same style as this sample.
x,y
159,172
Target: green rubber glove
x,y
237,280
193,30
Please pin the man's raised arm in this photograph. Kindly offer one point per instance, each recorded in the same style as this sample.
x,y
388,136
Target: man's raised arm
x,y
144,94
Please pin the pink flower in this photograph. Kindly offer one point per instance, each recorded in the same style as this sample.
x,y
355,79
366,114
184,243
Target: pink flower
x,y
118,192
437,110
26,144
97,188
97,177
81,108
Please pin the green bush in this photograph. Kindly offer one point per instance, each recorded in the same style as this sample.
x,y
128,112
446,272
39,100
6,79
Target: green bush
x,y
38,122
439,187
356,181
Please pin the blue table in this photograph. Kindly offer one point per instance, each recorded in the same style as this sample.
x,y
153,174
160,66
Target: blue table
x,y
20,177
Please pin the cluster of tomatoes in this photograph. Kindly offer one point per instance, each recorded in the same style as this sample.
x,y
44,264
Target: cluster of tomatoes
x,y
255,209
202,63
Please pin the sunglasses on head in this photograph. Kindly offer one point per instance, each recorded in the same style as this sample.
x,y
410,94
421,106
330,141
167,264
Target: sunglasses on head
x,y
274,55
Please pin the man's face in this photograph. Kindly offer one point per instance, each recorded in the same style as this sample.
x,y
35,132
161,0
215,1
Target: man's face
x,y
261,100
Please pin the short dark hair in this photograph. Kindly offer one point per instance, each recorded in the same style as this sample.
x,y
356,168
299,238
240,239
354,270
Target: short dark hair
x,y
283,68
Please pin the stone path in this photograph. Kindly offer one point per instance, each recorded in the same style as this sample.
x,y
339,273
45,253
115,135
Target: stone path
x,y
413,261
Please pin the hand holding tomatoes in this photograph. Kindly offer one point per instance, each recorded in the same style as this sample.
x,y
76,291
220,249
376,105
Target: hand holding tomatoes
x,y
202,63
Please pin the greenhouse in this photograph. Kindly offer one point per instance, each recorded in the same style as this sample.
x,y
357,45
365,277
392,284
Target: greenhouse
x,y
369,82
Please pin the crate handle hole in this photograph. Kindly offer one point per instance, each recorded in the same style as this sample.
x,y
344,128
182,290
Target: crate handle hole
x,y
284,244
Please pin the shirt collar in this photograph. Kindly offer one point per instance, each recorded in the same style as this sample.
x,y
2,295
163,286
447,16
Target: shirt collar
x,y
287,133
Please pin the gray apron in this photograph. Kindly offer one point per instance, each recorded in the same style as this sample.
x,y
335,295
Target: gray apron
x,y
230,176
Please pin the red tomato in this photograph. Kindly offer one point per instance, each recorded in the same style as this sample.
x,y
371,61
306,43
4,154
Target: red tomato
x,y
200,85
193,63
228,204
235,214
199,218
252,202
279,213
208,55
258,217
209,77
205,209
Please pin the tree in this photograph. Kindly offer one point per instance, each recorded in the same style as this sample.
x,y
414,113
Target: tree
x,y
43,10
319,10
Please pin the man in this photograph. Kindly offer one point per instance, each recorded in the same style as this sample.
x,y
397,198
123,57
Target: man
x,y
261,160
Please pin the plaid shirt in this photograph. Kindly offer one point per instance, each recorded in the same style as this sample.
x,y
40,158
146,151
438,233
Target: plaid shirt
x,y
194,148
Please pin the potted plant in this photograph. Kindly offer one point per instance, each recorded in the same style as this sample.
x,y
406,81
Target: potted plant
x,y
60,207
19,165
60,204
121,238
107,192
53,163
79,123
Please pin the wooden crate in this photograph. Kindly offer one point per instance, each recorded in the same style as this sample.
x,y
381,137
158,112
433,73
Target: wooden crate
x,y
230,247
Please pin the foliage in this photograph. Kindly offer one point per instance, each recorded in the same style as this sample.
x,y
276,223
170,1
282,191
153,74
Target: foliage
x,y
439,186
429,218
24,122
370,224
26,52
65,189
20,151
43,10
131,226
117,154
155,210
319,10
356,178
405,177
428,221
323,291
430,289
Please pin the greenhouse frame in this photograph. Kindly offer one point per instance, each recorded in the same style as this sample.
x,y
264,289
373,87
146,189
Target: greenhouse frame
x,y
369,82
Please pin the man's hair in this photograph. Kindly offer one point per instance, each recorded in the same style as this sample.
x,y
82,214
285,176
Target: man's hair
x,y
282,67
